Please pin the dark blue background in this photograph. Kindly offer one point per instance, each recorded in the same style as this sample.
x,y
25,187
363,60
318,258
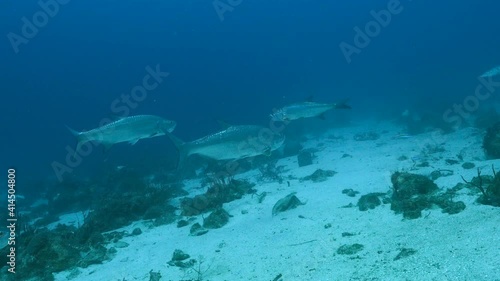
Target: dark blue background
x,y
263,55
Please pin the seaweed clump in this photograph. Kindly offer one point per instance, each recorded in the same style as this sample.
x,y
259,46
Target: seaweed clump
x,y
222,190
489,187
350,249
319,175
370,201
414,193
41,251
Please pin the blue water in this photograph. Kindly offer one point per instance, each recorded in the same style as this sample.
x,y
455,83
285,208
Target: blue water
x,y
262,55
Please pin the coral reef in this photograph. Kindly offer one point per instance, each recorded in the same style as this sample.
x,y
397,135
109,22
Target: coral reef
x,y
414,193
489,187
221,191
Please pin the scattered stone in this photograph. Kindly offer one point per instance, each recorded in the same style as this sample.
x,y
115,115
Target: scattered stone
x,y
452,207
179,259
402,158
95,256
407,185
415,193
121,244
182,264
320,175
345,155
328,225
216,219
369,201
179,255
154,276
222,191
441,173
182,223
347,234
350,249
136,231
197,230
412,194
305,158
451,161
284,204
350,205
244,212
350,192
468,165
405,252
278,277
423,164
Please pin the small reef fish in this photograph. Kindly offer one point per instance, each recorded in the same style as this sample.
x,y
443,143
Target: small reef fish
x,y
235,142
492,72
306,110
128,129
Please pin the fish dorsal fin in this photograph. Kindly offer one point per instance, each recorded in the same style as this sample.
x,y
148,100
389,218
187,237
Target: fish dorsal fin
x,y
223,124
342,104
181,147
132,142
115,117
74,132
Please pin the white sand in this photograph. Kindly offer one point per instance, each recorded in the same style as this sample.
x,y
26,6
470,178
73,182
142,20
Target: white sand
x,y
257,246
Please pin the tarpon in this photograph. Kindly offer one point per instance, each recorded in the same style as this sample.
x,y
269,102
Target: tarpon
x,y
305,110
235,142
128,129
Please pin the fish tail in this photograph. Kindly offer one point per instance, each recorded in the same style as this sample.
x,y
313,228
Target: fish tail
x,y
80,137
181,148
342,104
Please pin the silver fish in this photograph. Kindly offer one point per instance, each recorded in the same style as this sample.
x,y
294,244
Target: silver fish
x,y
305,110
129,129
235,142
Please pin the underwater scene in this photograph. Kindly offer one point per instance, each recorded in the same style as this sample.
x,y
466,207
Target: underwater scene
x,y
223,140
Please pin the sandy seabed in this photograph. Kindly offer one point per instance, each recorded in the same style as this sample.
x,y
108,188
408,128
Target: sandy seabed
x,y
302,243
